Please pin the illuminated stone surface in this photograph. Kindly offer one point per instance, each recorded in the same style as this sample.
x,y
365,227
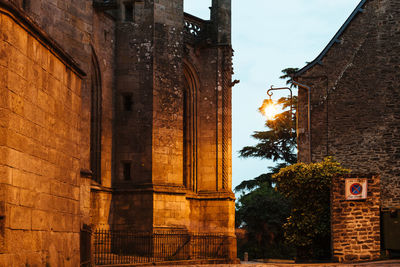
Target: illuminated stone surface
x,y
151,119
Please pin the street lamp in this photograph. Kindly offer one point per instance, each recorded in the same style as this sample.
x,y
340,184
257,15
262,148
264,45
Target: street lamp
x,y
270,106
269,109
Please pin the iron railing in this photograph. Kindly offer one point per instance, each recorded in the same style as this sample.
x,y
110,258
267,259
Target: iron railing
x,y
128,247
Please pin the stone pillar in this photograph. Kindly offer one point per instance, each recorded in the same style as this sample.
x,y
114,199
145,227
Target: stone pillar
x,y
355,224
221,19
148,179
232,248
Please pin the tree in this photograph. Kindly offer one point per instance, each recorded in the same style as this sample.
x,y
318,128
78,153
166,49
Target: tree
x,y
260,209
262,212
308,188
288,76
279,141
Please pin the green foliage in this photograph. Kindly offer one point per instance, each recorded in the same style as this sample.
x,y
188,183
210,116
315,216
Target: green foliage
x,y
263,179
262,211
308,188
288,74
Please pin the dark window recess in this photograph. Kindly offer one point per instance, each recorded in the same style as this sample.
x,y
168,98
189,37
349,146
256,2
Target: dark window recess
x,y
25,4
128,103
95,121
127,171
105,35
394,214
128,12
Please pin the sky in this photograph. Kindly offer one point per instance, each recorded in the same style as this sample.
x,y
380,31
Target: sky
x,y
269,36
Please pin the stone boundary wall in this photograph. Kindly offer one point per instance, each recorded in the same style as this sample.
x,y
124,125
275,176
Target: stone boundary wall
x,y
355,224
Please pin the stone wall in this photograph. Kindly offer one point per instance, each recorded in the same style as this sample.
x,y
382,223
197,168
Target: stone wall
x,y
102,79
40,111
127,129
177,180
88,35
69,23
208,215
354,99
355,223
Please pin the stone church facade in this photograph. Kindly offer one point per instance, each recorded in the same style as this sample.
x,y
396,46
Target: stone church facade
x,y
113,115
354,103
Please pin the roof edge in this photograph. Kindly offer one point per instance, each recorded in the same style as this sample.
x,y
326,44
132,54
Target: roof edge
x,y
335,39
193,17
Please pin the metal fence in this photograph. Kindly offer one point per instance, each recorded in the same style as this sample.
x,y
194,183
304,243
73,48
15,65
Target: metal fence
x,y
124,247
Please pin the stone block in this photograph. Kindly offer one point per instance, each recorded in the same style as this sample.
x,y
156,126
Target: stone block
x,y
21,178
58,222
6,28
7,260
5,171
19,38
4,56
42,100
45,202
20,218
16,103
40,220
19,62
34,259
76,224
33,49
44,58
58,69
28,197
11,198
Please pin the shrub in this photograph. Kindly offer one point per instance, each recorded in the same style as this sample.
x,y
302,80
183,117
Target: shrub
x,y
307,186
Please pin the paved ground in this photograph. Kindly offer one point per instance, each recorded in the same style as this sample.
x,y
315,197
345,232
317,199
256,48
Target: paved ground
x,y
387,263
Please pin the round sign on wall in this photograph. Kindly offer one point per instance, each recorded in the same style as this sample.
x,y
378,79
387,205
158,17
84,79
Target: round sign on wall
x,y
356,188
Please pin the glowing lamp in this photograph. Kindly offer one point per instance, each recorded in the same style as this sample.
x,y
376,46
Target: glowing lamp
x,y
269,109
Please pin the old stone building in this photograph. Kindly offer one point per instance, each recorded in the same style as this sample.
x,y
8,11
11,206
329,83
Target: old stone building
x,y
354,116
114,114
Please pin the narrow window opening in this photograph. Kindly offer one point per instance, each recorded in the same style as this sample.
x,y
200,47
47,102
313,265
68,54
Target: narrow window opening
x,y
25,4
190,130
95,121
105,35
127,171
128,12
127,102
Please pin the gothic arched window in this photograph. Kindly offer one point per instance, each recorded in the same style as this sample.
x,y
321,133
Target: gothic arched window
x,y
191,85
95,120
